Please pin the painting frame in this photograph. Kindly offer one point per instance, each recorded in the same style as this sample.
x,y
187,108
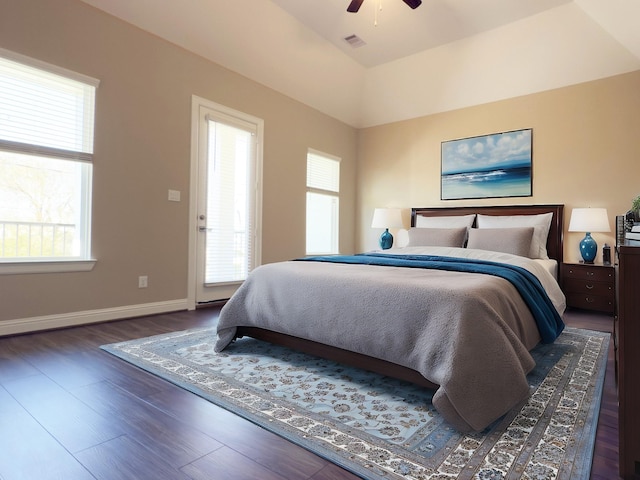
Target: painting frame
x,y
495,165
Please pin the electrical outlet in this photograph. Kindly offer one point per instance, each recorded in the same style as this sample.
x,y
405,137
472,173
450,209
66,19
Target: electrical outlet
x,y
143,281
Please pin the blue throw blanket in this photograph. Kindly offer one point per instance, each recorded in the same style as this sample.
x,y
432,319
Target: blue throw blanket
x,y
548,320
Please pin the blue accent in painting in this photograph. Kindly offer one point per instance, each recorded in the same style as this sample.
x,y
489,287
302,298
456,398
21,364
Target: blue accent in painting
x,y
497,165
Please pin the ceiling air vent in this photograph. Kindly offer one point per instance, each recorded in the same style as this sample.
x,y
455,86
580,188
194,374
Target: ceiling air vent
x,y
355,41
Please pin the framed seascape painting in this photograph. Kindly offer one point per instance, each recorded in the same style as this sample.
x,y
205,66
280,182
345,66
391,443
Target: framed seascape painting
x,y
488,166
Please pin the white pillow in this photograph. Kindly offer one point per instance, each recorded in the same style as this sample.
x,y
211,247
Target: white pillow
x,y
516,241
540,223
455,221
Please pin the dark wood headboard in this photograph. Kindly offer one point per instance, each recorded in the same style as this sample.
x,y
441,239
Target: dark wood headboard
x,y
554,241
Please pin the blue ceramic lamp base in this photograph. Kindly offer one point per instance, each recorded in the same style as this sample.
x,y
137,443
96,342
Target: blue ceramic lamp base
x,y
386,240
588,248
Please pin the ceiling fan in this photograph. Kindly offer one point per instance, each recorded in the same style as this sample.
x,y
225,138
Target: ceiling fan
x,y
354,6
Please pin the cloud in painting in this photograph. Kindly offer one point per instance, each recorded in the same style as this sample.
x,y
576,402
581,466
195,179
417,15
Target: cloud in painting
x,y
489,152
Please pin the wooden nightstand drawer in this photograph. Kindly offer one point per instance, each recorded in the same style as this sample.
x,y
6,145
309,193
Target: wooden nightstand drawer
x,y
578,285
588,272
591,302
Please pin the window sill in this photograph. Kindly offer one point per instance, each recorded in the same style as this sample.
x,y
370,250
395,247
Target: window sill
x,y
50,266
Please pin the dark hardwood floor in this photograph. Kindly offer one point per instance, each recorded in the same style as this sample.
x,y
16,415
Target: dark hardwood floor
x,y
71,411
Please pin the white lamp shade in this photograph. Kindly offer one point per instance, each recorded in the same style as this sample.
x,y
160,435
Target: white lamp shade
x,y
589,220
387,218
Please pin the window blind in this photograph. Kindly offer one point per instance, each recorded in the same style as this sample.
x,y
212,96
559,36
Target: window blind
x,y
44,113
323,173
231,193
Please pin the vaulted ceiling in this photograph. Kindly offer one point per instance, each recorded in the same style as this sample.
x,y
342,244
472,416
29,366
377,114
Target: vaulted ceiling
x,y
444,55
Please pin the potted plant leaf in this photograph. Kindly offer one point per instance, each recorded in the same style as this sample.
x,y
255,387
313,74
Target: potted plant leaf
x,y
635,208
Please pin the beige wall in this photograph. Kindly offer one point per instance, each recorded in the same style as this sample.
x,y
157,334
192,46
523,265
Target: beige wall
x,y
585,153
142,149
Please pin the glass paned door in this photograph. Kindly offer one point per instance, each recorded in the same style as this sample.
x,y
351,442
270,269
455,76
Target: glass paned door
x,y
228,204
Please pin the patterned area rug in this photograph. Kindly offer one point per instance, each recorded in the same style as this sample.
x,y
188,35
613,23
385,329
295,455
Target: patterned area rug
x,y
380,428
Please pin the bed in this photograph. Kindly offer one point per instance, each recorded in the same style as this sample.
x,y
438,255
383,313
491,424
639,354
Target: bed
x,y
450,317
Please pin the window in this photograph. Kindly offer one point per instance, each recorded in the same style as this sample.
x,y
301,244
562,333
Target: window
x,y
323,188
46,150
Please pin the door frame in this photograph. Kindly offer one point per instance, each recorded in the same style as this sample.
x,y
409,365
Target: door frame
x,y
197,103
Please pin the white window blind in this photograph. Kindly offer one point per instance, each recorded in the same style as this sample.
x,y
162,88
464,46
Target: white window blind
x,y
230,196
45,113
323,202
323,173
46,149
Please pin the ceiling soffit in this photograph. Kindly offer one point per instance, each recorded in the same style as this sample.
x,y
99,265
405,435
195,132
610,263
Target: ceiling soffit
x,y
468,62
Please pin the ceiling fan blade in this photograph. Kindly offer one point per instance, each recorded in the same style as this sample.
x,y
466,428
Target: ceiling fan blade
x,y
354,6
413,3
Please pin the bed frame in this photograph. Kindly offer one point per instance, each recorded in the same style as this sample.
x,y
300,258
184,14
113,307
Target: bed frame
x,y
554,249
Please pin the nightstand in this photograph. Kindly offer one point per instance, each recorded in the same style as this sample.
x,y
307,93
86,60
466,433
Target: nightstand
x,y
589,286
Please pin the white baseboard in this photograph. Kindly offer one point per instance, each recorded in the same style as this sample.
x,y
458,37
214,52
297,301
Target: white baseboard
x,y
32,324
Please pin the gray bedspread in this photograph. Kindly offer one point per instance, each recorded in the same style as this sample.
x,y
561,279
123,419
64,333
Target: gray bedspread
x,y
468,333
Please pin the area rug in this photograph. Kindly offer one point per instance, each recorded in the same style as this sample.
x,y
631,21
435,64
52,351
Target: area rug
x,y
381,428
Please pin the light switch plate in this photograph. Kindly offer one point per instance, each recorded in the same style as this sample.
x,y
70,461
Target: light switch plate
x,y
174,195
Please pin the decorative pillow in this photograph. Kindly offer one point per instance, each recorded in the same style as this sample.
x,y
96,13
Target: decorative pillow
x,y
437,237
445,222
540,223
516,241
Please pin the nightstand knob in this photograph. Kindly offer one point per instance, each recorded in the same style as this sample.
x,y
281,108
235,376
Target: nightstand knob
x,y
589,287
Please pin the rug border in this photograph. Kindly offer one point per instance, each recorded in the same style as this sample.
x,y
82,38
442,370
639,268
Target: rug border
x,y
580,471
584,467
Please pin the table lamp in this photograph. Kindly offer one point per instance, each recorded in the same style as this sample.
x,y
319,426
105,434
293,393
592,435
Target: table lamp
x,y
387,218
589,220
